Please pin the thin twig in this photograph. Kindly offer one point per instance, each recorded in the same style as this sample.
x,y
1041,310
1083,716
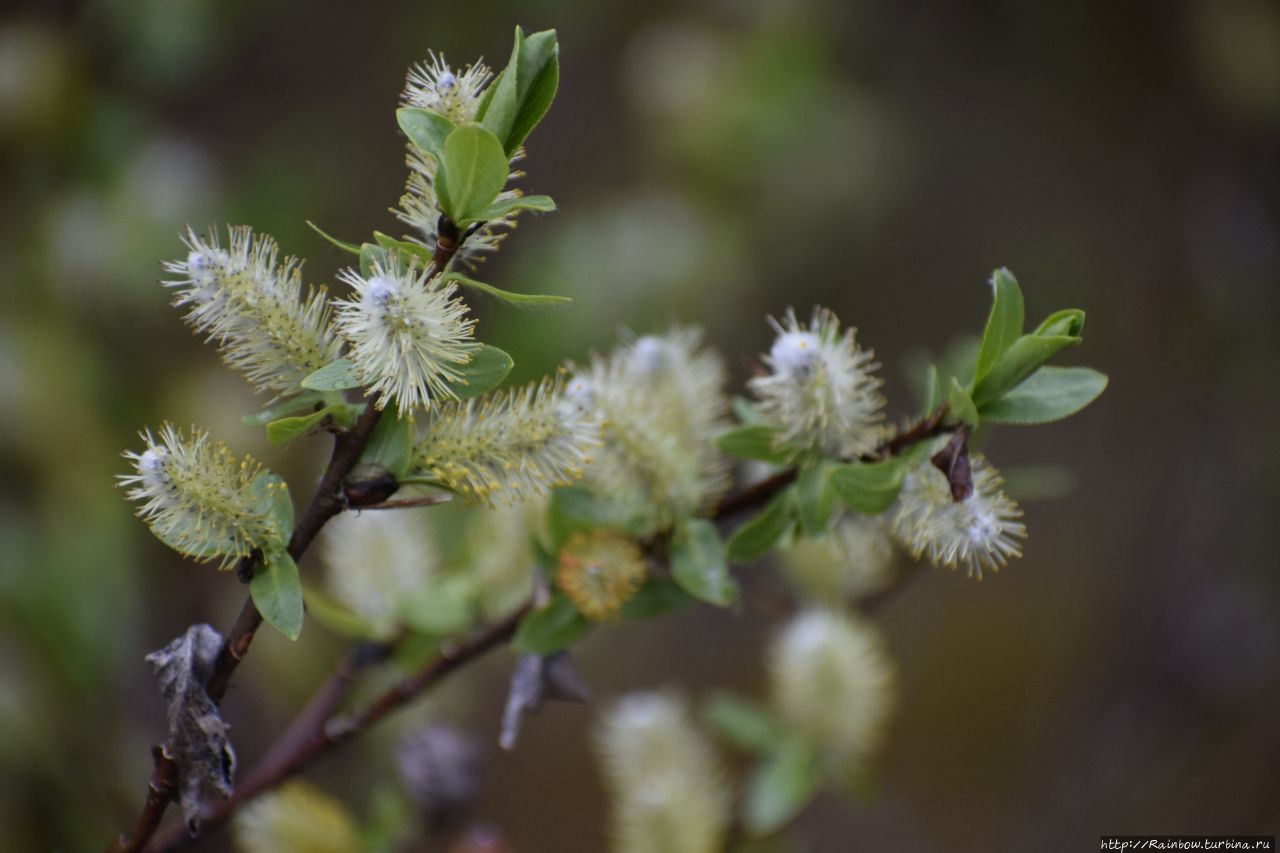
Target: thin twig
x,y
409,503
316,735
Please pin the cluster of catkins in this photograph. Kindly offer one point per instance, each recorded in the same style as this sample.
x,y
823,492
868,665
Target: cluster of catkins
x,y
636,427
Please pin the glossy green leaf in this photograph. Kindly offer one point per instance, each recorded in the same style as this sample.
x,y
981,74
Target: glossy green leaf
x,y
500,208
409,252
1004,323
520,300
501,100
305,400
815,498
575,508
537,80
755,441
426,129
1049,394
486,370
1068,322
550,628
390,445
1019,361
475,171
334,376
868,487
699,563
753,540
960,405
277,593
781,787
341,244
372,258
745,724
284,430
657,597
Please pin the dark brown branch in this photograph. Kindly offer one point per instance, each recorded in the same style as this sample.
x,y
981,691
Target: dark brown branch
x,y
314,734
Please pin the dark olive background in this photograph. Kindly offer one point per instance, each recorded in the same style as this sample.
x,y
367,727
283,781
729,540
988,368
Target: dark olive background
x,y
714,162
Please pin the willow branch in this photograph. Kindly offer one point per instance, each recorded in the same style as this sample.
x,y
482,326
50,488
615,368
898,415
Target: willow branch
x,y
325,504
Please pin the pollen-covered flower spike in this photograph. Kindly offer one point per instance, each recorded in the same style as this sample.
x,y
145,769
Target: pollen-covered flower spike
x,y
507,446
433,85
669,792
833,682
600,571
662,402
820,391
254,308
981,532
409,335
199,500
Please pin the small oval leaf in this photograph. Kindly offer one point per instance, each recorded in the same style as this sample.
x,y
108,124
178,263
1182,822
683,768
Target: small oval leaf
x,y
277,593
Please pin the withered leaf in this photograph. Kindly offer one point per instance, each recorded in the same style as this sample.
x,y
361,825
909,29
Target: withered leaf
x,y
198,742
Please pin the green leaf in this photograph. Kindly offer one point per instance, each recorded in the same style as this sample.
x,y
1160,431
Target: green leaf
x,y
550,628
334,615
960,404
744,724
815,498
753,540
755,441
699,564
284,430
475,171
425,129
746,412
538,77
390,445
501,207
932,395
273,499
520,300
334,376
305,400
344,246
657,597
486,370
408,251
277,593
868,487
1004,324
372,255
442,609
1049,394
501,101
1022,359
781,787
1068,322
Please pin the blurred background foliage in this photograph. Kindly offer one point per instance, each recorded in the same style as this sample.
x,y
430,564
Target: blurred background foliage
x,y
714,161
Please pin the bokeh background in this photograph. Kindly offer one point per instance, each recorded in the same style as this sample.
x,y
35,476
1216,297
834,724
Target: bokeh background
x,y
714,161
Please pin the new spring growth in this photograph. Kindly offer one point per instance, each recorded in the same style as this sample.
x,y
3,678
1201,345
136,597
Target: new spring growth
x,y
600,571
662,401
832,681
455,94
199,500
254,308
851,560
408,333
982,532
508,445
668,789
297,818
820,392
